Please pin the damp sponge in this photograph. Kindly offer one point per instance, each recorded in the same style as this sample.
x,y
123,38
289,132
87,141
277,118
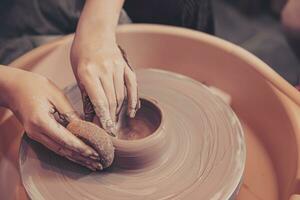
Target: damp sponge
x,y
95,137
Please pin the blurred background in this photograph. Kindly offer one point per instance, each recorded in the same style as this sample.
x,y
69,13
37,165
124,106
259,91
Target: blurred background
x,y
270,29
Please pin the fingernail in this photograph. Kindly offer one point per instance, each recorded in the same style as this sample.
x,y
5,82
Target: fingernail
x,y
90,152
95,154
132,113
52,111
139,105
99,166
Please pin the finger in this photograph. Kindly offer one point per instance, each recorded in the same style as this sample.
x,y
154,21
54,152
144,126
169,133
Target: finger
x,y
131,87
119,90
98,98
108,87
66,112
58,149
94,166
61,135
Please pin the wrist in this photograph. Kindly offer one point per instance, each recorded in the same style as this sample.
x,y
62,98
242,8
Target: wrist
x,y
96,37
83,44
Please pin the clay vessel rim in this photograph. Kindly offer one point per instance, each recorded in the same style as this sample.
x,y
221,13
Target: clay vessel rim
x,y
156,135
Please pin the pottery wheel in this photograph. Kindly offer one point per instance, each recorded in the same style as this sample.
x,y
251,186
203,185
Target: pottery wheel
x,y
204,156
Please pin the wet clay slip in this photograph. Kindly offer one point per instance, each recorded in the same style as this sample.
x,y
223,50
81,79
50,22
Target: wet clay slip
x,y
146,121
185,143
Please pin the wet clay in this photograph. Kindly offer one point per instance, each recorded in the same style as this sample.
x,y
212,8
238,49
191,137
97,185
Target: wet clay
x,y
145,122
95,137
196,151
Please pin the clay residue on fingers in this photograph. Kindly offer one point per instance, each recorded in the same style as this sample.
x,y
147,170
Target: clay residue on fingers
x,y
104,118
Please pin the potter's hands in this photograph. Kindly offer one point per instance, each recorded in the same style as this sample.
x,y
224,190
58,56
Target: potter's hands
x,y
104,78
34,99
102,74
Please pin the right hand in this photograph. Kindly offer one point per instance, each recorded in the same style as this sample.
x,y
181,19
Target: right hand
x,y
34,100
103,75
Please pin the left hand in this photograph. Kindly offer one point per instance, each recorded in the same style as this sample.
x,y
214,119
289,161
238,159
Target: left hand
x,y
35,101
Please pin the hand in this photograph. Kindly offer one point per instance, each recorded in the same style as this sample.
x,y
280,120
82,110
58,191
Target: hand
x,y
34,100
104,78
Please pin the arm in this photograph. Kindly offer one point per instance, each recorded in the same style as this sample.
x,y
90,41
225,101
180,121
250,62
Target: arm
x,y
98,19
100,70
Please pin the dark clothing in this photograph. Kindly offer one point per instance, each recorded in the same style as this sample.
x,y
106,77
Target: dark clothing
x,y
25,23
194,14
36,17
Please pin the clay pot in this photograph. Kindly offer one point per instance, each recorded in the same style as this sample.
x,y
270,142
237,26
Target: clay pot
x,y
141,141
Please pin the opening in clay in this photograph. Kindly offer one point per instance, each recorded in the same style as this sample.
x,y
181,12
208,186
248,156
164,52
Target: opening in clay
x,y
145,123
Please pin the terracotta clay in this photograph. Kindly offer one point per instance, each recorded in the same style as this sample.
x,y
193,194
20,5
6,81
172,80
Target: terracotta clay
x,y
95,137
193,146
145,122
265,103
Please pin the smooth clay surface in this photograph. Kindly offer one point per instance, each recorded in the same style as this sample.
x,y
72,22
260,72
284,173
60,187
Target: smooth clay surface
x,y
146,121
203,156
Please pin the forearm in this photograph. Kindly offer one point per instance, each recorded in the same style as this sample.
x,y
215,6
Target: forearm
x,y
99,18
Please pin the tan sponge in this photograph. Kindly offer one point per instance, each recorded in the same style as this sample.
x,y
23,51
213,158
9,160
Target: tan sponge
x,y
95,137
